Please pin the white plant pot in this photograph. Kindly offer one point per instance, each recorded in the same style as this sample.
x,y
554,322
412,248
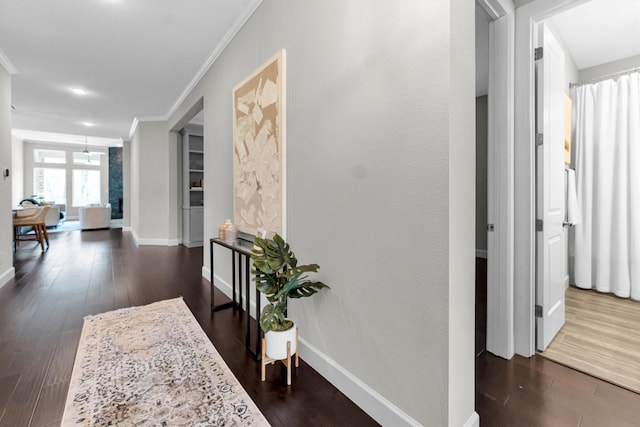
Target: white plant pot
x,y
276,343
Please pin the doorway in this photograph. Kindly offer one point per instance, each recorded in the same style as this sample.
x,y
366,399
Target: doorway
x,y
511,319
190,157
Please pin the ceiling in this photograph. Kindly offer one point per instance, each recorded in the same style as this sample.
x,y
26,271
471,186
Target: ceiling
x,y
595,33
134,58
600,31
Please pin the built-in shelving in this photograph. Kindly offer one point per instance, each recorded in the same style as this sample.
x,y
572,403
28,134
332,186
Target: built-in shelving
x,y
193,186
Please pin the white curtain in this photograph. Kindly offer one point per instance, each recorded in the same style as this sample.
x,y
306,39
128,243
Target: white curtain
x,y
606,244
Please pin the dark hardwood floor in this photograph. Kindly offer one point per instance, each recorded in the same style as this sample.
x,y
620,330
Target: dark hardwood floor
x,y
85,273
538,392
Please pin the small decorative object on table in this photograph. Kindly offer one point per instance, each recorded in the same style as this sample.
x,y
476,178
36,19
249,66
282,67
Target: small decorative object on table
x,y
228,232
278,276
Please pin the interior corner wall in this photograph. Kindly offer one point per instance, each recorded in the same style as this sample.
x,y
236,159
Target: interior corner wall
x,y
174,171
369,119
150,184
6,221
132,170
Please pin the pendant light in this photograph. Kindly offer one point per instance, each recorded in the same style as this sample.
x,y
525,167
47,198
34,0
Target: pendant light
x,y
86,150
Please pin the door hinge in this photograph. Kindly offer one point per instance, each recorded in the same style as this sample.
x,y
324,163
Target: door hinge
x,y
539,139
537,53
539,225
538,311
490,227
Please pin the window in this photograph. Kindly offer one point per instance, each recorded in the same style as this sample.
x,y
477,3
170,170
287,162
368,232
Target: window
x,y
49,156
83,158
86,187
50,184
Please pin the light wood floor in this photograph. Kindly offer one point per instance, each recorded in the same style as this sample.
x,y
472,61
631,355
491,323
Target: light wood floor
x,y
601,337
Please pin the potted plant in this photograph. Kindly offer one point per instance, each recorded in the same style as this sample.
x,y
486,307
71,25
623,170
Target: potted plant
x,y
279,277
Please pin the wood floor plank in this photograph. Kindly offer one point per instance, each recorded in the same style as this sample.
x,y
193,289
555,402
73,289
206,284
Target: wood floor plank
x,y
63,358
21,404
88,273
50,406
539,392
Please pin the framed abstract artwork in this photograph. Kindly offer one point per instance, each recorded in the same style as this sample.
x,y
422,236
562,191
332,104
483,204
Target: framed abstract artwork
x,y
259,173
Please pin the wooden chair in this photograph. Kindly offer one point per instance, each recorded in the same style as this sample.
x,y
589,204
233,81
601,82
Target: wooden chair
x,y
37,222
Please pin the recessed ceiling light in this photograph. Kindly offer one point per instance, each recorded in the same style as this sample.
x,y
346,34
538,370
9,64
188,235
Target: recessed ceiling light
x,y
78,91
87,124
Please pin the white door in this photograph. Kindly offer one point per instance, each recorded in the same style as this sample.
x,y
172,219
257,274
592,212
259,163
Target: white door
x,y
550,201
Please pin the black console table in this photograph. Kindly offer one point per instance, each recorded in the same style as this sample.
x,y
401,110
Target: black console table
x,y
240,257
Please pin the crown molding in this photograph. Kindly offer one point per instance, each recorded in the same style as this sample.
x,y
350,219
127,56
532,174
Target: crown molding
x,y
235,28
134,126
7,64
138,120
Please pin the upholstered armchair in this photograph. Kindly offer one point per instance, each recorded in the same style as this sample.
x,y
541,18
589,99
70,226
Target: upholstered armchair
x,y
95,216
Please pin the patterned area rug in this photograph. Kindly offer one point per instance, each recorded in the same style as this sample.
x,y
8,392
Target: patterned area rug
x,y
153,366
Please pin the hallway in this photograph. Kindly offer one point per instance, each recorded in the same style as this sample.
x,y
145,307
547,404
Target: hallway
x,y
85,273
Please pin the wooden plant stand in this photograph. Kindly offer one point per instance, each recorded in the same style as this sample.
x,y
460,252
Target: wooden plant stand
x,y
287,362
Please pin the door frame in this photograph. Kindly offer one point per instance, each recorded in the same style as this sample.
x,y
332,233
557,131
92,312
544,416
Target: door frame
x,y
527,18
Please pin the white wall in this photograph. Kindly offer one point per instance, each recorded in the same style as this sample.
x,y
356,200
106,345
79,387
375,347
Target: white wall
x,y
380,169
609,68
6,221
462,162
135,175
17,171
126,185
153,177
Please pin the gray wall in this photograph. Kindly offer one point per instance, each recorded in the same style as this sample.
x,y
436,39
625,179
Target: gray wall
x,y
609,68
127,170
380,169
150,183
481,171
6,221
17,171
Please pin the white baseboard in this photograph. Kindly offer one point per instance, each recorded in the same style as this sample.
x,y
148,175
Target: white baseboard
x,y
379,408
150,242
566,281
157,242
127,229
7,276
227,289
481,253
473,421
193,244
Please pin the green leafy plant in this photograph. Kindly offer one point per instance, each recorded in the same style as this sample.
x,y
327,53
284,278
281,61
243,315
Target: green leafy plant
x,y
278,276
